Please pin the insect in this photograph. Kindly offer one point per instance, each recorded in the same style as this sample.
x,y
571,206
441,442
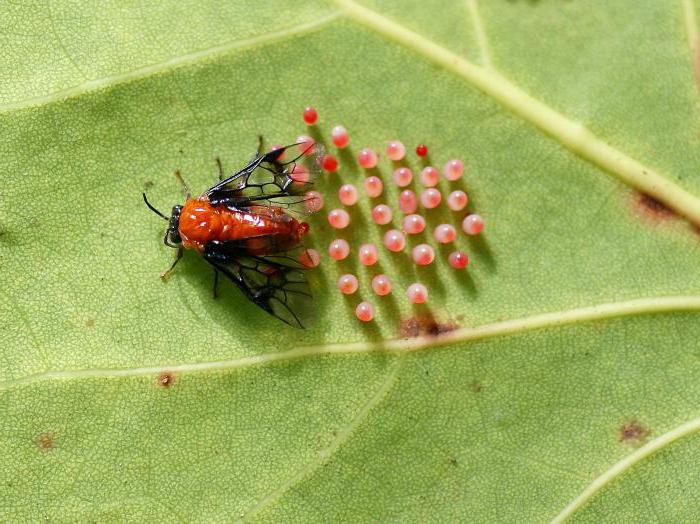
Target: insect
x,y
244,226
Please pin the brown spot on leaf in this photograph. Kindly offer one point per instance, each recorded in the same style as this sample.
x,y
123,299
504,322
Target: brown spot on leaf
x,y
476,386
45,441
410,328
654,208
633,433
148,184
453,461
165,380
90,322
424,326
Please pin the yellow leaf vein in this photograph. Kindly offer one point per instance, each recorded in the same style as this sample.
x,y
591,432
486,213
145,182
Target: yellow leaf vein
x,y
570,134
643,306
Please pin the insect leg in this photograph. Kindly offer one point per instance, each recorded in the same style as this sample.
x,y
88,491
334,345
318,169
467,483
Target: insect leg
x,y
216,284
165,274
260,144
178,175
165,238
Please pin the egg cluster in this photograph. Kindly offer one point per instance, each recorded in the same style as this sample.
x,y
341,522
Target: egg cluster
x,y
411,204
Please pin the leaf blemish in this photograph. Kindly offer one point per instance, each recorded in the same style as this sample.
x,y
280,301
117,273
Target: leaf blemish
x,y
424,326
45,441
633,433
654,208
165,380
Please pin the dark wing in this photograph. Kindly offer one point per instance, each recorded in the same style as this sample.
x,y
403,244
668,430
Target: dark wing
x,y
275,283
266,181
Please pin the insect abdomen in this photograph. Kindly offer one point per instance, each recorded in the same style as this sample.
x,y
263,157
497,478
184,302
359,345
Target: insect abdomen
x,y
201,222
263,234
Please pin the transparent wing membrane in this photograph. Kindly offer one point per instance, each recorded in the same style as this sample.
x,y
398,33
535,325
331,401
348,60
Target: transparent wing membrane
x,y
269,181
275,283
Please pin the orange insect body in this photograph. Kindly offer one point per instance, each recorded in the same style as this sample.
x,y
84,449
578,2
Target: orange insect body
x,y
263,230
244,227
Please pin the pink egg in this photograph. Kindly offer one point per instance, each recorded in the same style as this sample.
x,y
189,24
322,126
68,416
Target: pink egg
x,y
310,257
423,254
430,176
402,176
347,284
417,293
445,233
381,214
305,144
373,186
340,137
394,240
368,254
413,224
339,218
339,249
313,201
473,224
300,174
347,194
458,259
395,150
381,285
367,158
408,203
364,311
453,170
430,198
310,115
457,200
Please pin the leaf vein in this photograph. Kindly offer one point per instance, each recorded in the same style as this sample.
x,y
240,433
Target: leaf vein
x,y
643,306
172,63
324,456
59,42
570,134
481,36
622,466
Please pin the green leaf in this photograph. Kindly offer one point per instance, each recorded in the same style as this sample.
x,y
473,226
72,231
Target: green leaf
x,y
564,376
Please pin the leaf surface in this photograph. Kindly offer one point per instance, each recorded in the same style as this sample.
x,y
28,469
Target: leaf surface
x,y
566,383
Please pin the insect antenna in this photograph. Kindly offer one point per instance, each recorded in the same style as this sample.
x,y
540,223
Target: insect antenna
x,y
182,183
154,209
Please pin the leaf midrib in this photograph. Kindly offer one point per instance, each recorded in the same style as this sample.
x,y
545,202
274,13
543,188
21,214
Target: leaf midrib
x,y
607,311
572,135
